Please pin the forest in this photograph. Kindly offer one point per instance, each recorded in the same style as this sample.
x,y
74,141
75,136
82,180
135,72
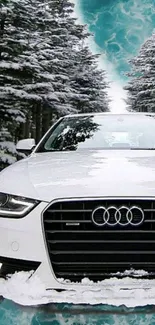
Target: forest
x,y
47,70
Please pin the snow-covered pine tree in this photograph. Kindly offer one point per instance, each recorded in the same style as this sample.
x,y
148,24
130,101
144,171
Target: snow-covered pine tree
x,y
8,152
89,82
141,86
52,54
22,84
15,30
8,125
40,58
59,54
38,74
12,17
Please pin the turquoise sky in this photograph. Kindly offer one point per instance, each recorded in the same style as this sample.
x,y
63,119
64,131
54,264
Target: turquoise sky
x,y
120,27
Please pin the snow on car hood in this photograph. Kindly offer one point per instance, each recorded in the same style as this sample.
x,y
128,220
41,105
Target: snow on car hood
x,y
47,176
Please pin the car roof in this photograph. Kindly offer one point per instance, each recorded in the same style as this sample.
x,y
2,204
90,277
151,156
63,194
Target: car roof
x,y
109,113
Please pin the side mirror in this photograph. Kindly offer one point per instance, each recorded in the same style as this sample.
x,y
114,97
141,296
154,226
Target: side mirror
x,y
25,146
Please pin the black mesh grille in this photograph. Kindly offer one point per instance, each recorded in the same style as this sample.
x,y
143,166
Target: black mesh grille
x,y
78,248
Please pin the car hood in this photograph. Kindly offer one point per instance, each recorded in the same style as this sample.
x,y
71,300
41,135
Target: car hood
x,y
47,176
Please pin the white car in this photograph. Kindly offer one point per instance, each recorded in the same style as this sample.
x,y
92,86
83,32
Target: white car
x,y
82,205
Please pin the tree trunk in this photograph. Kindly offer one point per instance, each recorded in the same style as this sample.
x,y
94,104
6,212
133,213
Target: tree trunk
x,y
45,120
33,125
28,124
38,122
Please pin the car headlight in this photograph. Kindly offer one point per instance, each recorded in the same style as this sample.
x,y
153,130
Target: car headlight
x,y
15,206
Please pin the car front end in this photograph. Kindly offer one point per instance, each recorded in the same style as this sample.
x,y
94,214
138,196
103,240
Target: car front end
x,y
74,214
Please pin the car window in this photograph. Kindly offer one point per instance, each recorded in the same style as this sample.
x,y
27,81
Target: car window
x,y
101,132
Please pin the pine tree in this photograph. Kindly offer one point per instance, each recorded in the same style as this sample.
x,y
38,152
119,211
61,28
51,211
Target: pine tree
x,y
8,152
45,70
7,149
12,20
49,47
141,86
89,82
72,62
15,30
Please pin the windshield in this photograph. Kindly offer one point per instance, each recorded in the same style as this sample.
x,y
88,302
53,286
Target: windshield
x,y
101,132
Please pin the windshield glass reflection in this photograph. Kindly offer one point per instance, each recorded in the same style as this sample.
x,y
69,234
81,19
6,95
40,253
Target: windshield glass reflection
x,y
102,132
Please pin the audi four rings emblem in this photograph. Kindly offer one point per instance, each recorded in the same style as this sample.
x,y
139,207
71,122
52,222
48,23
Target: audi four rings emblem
x,y
122,216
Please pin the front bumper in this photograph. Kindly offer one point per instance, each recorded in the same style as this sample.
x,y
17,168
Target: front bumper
x,y
23,240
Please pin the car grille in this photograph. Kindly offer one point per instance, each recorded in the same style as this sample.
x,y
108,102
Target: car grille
x,y
78,248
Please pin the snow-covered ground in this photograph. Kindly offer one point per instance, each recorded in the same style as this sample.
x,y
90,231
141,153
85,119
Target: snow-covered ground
x,y
26,290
